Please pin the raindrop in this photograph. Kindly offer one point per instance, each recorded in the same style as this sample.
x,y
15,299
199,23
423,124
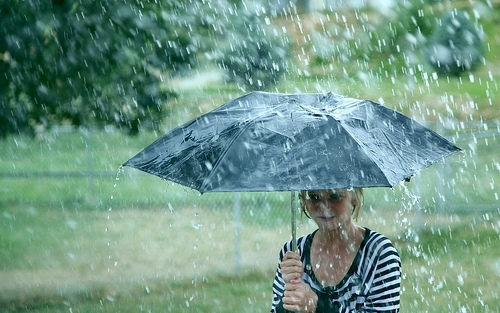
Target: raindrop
x,y
460,280
208,165
430,280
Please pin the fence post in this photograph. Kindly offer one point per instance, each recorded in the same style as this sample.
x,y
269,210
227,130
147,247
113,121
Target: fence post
x,y
90,168
237,239
418,181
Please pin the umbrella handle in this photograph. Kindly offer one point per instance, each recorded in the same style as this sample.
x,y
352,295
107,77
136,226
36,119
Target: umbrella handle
x,y
294,225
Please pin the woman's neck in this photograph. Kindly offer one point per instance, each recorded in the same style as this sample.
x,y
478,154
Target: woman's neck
x,y
341,237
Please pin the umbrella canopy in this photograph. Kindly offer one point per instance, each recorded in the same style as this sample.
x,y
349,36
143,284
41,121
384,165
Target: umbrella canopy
x,y
289,142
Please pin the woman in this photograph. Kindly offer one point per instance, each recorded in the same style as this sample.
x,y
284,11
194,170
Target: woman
x,y
340,267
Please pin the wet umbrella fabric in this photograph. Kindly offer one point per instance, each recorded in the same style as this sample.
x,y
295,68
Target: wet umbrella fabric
x,y
289,142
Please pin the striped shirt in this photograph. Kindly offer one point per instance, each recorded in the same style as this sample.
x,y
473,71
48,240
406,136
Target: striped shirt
x,y
372,283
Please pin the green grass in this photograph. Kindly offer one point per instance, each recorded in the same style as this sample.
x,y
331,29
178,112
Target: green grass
x,y
450,261
453,269
246,293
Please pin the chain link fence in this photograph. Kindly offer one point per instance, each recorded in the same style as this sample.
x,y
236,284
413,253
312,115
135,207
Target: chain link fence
x,y
251,221
464,182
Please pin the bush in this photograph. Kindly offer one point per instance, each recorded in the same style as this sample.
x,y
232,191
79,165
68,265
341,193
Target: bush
x,y
255,55
388,35
456,45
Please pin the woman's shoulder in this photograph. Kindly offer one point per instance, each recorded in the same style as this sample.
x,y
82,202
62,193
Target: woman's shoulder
x,y
374,236
378,243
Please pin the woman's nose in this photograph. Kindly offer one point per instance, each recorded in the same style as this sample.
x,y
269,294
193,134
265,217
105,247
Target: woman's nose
x,y
324,205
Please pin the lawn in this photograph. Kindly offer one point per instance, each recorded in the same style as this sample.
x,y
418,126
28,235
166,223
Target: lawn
x,y
186,260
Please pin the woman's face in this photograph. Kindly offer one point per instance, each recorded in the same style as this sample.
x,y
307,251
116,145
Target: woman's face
x,y
329,209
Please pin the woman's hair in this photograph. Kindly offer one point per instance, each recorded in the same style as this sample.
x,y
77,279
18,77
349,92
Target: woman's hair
x,y
357,194
359,197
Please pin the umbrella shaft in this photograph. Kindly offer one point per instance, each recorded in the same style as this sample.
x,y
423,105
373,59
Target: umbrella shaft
x,y
294,225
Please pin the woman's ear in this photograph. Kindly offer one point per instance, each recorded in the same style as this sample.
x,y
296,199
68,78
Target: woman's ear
x,y
354,198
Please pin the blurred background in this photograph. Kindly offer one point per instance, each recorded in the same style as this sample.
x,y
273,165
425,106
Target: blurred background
x,y
86,85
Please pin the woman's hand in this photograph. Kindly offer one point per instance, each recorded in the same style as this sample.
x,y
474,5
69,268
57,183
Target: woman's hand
x,y
291,267
299,297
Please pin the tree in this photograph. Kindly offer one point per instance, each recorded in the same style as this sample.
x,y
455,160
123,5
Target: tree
x,y
92,62
456,45
254,56
400,30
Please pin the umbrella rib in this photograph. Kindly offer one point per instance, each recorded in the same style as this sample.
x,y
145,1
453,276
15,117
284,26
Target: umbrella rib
x,y
363,148
225,151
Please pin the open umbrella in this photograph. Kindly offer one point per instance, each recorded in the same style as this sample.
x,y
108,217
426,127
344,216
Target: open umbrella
x,y
290,142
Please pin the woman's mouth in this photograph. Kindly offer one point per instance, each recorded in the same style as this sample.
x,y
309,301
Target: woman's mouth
x,y
326,218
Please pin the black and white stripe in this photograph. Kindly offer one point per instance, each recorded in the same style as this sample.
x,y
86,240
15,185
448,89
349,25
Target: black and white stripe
x,y
372,284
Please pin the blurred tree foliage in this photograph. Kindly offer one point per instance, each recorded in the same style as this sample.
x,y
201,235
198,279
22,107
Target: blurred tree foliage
x,y
397,34
94,62
409,33
456,45
255,55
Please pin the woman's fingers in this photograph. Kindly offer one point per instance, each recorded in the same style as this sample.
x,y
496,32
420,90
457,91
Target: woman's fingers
x,y
291,266
298,297
287,277
291,259
291,255
291,272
